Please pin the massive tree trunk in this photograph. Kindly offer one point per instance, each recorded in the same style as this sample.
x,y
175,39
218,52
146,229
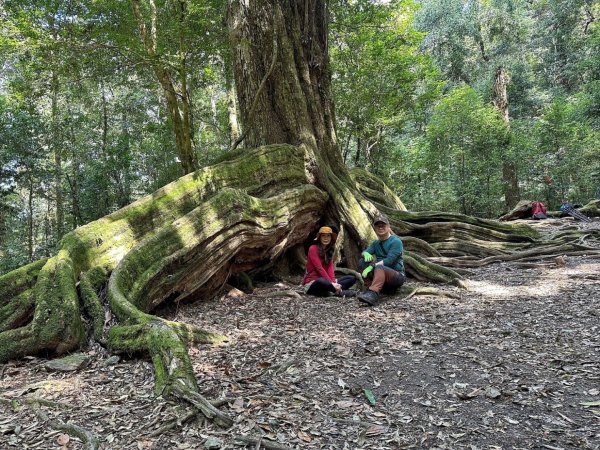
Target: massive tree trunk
x,y
245,212
282,78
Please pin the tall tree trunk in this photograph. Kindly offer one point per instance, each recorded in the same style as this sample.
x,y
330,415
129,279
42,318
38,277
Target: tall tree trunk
x,y
292,103
232,108
121,178
509,167
176,95
30,221
48,228
104,150
184,98
104,120
300,79
56,144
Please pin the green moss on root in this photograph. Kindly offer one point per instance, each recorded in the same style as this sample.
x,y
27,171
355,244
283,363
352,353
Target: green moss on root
x,y
18,311
18,280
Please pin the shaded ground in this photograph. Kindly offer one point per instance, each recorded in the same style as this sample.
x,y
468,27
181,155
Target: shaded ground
x,y
513,364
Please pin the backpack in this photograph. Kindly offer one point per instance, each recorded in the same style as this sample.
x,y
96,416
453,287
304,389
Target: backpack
x,y
538,210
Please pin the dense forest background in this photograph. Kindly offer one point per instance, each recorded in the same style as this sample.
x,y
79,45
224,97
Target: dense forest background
x,y
103,102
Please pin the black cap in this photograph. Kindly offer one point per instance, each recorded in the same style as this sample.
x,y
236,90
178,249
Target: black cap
x,y
381,218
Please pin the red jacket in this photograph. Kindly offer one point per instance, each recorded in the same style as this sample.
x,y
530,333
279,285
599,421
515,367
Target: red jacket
x,y
315,268
538,208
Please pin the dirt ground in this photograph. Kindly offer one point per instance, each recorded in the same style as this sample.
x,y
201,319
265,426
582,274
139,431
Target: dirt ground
x,y
514,363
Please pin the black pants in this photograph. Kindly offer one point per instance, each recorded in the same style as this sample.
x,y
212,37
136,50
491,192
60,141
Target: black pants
x,y
321,287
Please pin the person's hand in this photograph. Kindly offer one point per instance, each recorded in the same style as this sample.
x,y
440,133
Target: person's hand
x,y
367,256
338,287
365,273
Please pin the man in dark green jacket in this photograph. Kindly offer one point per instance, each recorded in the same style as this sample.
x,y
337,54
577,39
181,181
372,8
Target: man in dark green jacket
x,y
383,260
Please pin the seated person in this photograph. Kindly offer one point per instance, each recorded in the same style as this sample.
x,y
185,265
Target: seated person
x,y
538,210
382,261
319,279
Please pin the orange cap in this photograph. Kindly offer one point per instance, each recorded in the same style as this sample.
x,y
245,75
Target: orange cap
x,y
326,230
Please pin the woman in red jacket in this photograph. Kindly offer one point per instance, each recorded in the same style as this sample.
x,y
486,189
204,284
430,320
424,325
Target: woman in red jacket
x,y
319,278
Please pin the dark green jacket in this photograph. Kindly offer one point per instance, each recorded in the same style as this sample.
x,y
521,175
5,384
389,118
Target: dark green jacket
x,y
390,251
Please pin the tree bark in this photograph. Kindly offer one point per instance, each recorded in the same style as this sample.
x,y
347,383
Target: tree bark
x,y
30,221
296,106
232,108
58,173
510,177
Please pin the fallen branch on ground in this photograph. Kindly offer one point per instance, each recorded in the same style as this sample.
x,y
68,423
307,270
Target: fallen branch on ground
x,y
261,441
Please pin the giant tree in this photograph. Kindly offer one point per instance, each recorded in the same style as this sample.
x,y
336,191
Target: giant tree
x,y
253,207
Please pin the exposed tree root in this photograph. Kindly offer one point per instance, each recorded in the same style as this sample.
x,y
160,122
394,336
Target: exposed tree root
x,y
592,209
521,210
245,212
185,416
589,253
90,282
423,270
186,237
18,311
376,190
90,441
411,292
549,251
188,415
209,411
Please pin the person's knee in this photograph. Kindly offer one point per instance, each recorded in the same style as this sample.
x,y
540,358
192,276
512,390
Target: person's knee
x,y
379,272
322,283
398,281
394,278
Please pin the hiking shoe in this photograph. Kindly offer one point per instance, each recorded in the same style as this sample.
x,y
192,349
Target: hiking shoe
x,y
347,293
369,297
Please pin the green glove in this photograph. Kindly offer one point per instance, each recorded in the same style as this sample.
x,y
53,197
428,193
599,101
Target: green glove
x,y
365,273
367,256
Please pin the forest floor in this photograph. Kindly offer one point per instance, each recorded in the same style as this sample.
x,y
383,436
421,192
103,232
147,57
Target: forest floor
x,y
514,363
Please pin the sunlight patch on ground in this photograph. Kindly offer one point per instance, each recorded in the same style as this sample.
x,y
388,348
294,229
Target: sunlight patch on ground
x,y
500,291
537,285
51,388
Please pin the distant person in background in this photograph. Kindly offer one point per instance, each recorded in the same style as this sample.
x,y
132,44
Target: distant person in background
x,y
538,211
319,279
566,206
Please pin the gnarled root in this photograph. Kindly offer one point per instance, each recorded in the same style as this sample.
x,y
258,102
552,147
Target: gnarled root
x,y
56,324
90,441
410,292
191,235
